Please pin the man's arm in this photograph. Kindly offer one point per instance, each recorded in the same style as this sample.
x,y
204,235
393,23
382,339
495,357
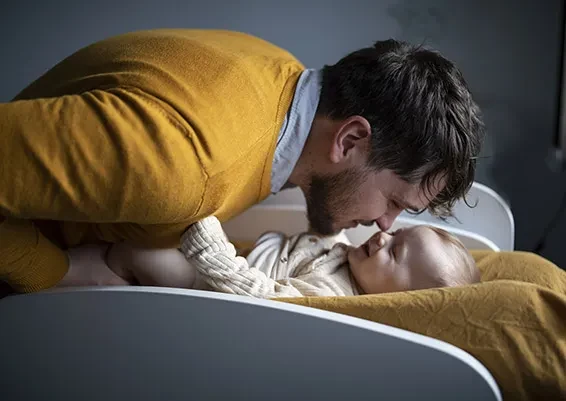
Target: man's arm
x,y
26,265
102,156
28,261
205,245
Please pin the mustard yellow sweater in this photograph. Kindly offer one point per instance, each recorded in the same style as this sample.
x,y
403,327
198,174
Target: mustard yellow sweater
x,y
135,138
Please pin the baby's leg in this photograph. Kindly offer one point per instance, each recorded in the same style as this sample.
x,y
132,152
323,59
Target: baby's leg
x,y
152,267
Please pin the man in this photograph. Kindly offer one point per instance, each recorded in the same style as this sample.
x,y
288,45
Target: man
x,y
136,137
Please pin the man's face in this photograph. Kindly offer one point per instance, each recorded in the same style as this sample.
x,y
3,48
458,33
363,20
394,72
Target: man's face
x,y
358,196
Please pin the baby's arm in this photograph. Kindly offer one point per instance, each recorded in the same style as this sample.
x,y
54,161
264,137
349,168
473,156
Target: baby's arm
x,y
152,267
206,247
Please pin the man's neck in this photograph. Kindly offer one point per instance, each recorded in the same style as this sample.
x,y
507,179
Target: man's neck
x,y
295,130
305,166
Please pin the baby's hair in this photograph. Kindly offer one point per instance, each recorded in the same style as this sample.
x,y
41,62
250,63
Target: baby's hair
x,y
464,271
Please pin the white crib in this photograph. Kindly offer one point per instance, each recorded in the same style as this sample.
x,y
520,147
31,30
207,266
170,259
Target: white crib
x,y
144,343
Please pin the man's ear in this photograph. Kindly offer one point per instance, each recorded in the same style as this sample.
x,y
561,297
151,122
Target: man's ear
x,y
352,135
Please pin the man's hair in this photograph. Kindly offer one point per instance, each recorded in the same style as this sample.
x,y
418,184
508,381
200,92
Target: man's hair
x,y
424,122
463,270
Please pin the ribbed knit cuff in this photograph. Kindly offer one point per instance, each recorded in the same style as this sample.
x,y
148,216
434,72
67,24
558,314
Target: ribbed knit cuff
x,y
204,235
29,262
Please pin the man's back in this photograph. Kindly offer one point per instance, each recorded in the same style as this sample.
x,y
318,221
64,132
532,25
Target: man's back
x,y
137,136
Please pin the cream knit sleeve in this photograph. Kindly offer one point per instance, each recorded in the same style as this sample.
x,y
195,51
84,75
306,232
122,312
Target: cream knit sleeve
x,y
205,246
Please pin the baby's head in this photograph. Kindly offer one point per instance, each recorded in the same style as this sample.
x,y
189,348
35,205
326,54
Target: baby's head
x,y
413,258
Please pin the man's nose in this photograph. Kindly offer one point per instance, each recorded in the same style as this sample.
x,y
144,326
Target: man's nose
x,y
386,221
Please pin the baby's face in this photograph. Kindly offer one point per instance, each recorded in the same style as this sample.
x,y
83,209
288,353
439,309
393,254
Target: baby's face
x,y
407,259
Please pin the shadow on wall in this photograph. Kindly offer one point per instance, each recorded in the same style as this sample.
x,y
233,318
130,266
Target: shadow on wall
x,y
420,19
520,167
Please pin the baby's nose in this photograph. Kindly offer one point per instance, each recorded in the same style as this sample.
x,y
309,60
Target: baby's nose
x,y
382,239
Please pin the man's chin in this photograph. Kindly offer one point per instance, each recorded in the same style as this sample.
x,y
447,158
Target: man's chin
x,y
320,222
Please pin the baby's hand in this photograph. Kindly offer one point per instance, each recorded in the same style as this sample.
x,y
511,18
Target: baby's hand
x,y
152,267
87,267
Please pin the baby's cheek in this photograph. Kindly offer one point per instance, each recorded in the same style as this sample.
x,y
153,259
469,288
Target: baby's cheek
x,y
378,281
351,256
378,260
355,256
402,279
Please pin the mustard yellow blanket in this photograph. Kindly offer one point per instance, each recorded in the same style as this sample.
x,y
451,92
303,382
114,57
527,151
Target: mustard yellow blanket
x,y
514,322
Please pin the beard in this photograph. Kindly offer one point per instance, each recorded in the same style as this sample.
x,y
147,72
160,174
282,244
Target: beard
x,y
329,197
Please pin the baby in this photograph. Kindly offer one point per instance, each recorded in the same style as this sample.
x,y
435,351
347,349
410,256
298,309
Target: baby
x,y
414,258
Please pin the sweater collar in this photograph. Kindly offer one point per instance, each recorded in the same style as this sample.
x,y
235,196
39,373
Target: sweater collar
x,y
296,128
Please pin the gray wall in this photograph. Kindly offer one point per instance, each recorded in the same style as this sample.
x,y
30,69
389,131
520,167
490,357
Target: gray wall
x,y
509,54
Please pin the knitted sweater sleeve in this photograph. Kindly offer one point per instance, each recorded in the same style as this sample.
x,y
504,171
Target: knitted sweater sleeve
x,y
206,246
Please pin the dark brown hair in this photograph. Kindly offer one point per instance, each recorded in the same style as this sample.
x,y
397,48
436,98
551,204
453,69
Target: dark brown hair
x,y
424,122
